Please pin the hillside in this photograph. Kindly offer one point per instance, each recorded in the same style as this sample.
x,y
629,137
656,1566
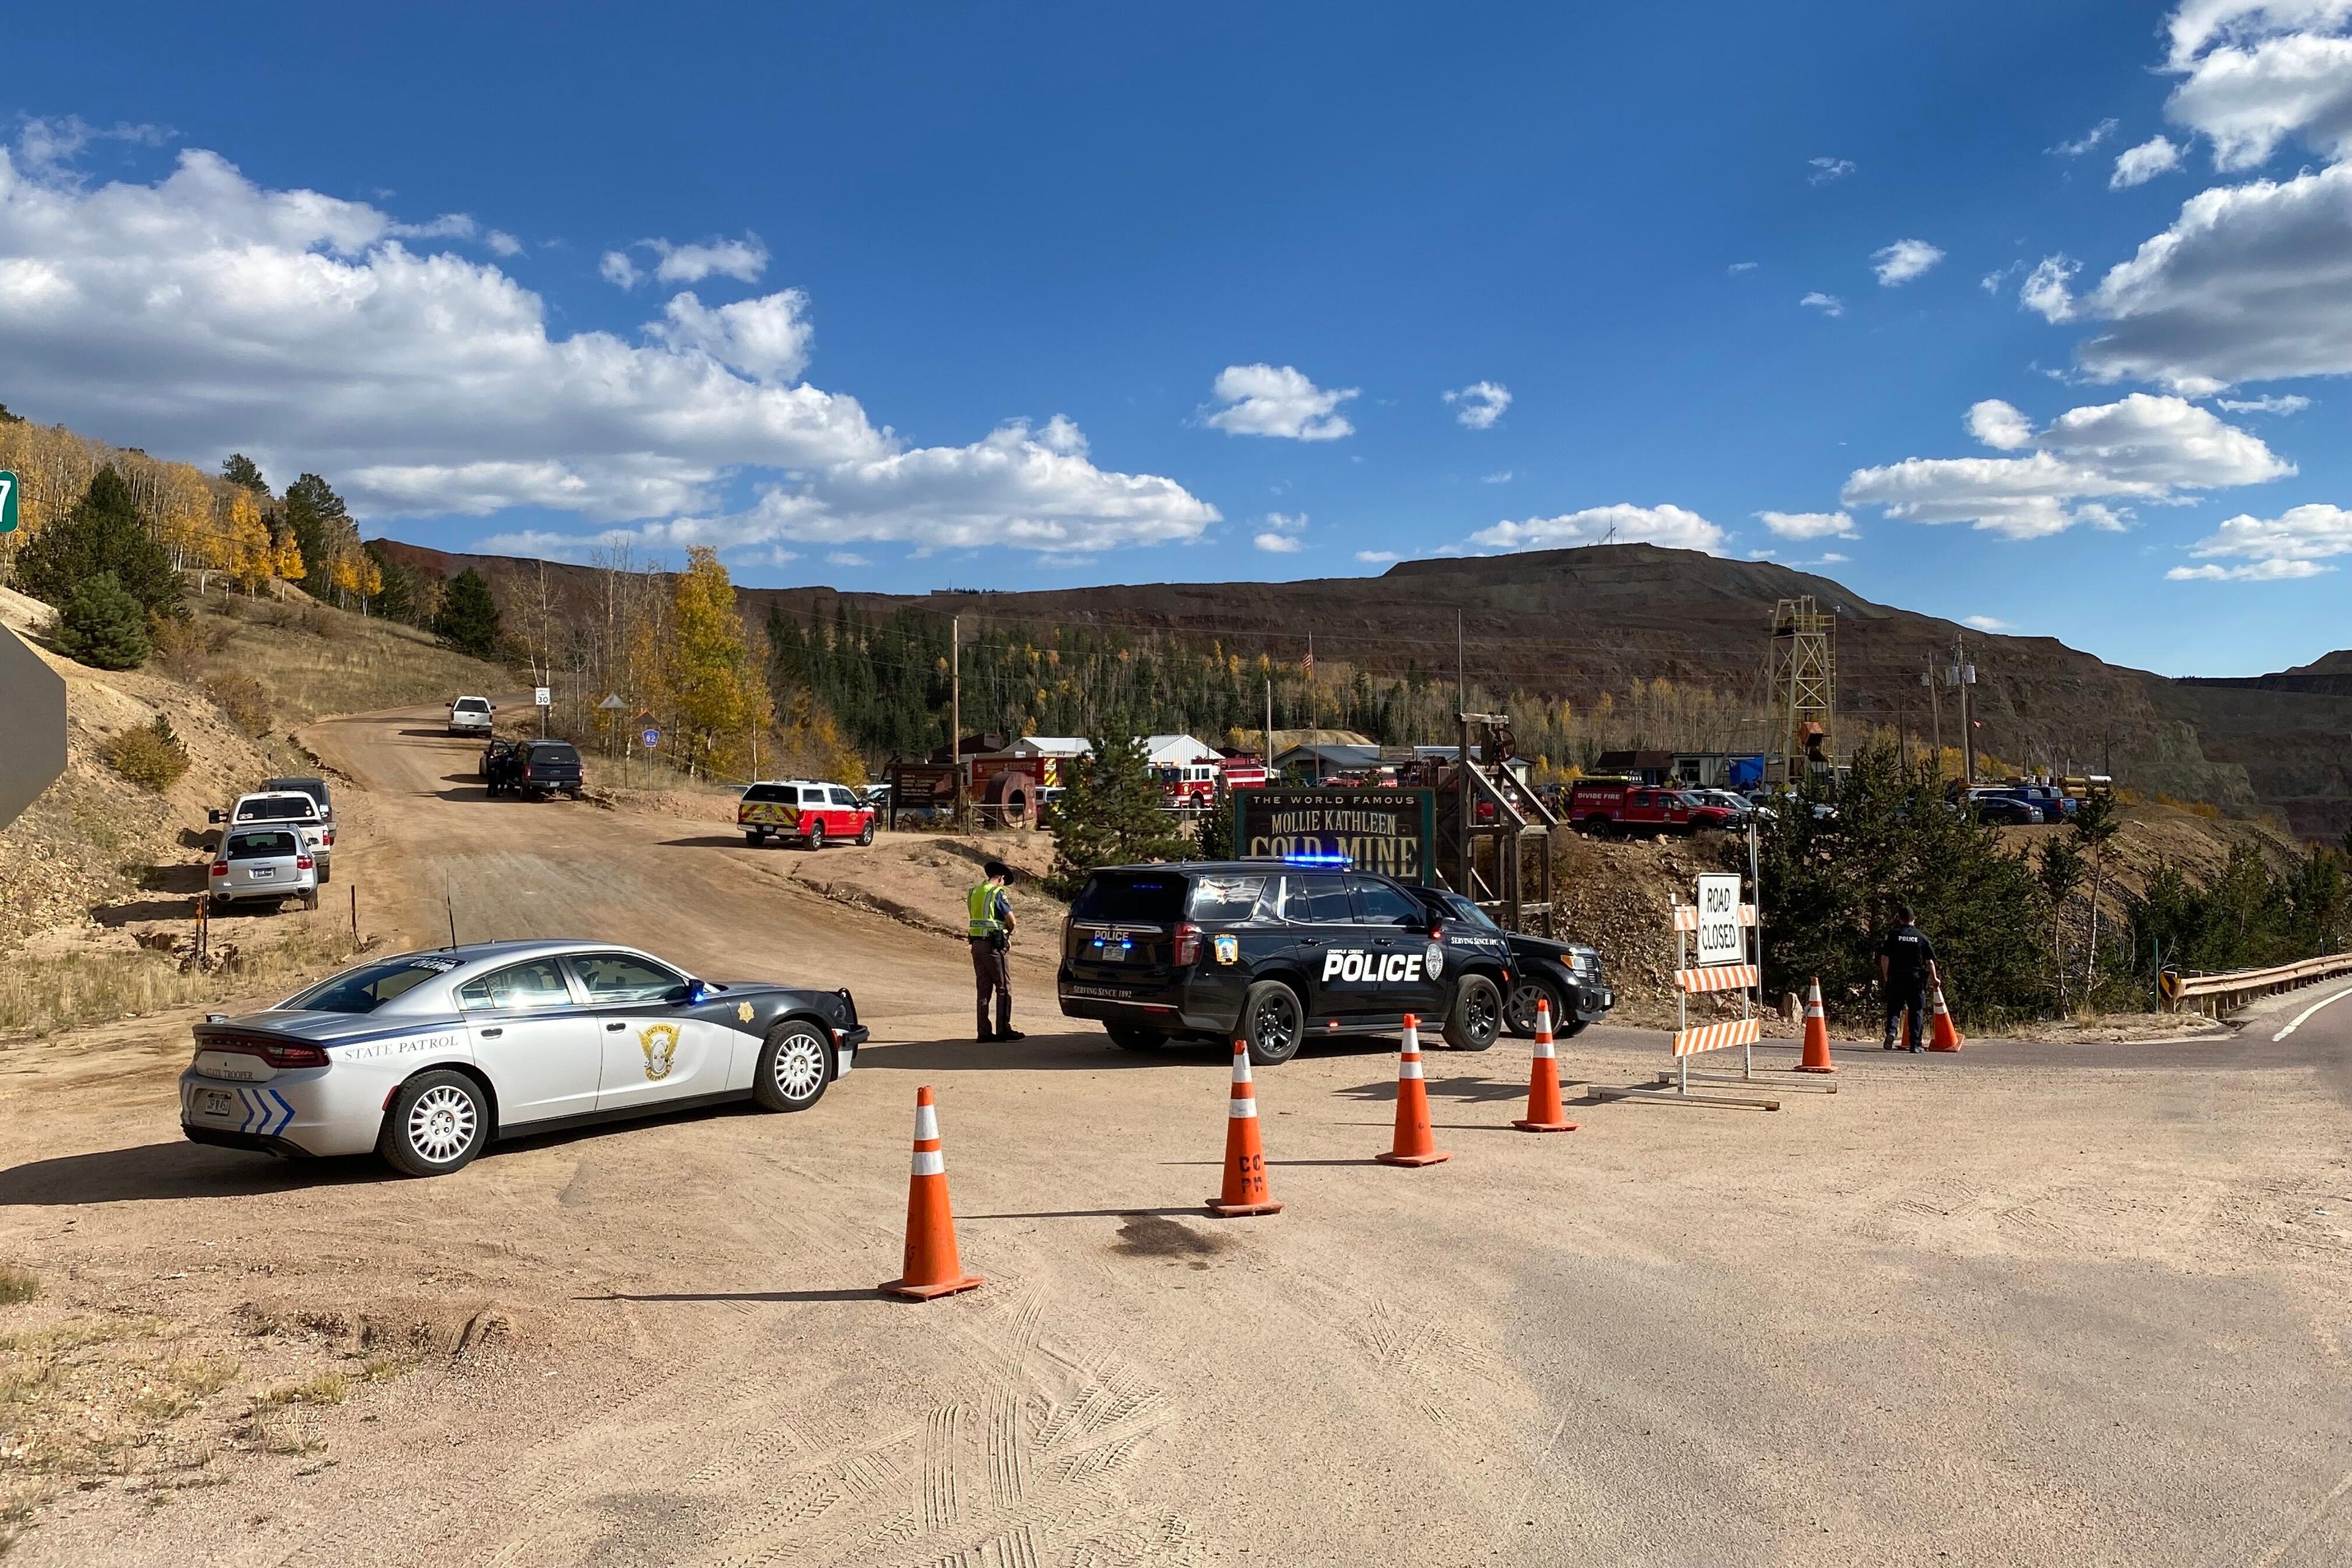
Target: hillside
x,y
1579,624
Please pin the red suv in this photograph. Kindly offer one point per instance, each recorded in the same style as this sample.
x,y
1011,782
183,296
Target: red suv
x,y
1621,805
798,808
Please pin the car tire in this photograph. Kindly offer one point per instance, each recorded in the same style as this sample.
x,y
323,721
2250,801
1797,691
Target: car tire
x,y
866,834
755,839
1476,1020
1273,1023
1519,1007
437,1123
795,1064
814,838
1135,1037
310,899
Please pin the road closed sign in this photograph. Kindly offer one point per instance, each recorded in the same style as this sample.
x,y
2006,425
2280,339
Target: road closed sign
x,y
1719,939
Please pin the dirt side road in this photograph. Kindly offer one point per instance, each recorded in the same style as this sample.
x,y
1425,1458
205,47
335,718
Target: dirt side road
x,y
2031,1304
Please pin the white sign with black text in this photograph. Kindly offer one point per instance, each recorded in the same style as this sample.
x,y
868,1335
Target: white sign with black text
x,y
1719,938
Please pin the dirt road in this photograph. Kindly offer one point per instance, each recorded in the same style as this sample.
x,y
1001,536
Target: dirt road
x,y
2027,1305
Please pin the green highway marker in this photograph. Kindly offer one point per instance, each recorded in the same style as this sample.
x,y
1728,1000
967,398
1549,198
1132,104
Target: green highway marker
x,y
7,501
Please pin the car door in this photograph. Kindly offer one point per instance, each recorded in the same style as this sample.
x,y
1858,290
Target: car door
x,y
1328,944
845,821
1395,928
653,1050
534,1039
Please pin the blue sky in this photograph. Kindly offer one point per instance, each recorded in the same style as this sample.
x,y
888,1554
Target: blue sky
x,y
931,295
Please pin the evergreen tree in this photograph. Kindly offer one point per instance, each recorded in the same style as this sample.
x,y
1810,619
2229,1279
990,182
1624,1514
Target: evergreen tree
x,y
315,515
8,418
102,533
1217,827
101,625
468,620
1109,813
240,469
400,589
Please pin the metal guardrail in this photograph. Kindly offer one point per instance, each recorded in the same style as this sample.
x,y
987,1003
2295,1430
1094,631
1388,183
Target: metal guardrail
x,y
2214,995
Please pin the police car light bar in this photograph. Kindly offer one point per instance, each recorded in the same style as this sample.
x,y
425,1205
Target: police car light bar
x,y
1319,860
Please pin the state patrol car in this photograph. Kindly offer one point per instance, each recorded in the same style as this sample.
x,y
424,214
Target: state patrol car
x,y
1270,952
426,1057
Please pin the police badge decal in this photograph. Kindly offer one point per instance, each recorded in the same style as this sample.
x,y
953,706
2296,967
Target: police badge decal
x,y
659,1042
1434,959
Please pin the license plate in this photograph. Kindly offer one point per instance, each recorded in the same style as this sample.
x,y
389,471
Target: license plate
x,y
261,873
215,1102
1110,953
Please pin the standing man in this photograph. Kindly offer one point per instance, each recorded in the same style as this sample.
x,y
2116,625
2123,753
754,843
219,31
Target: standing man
x,y
1907,963
990,930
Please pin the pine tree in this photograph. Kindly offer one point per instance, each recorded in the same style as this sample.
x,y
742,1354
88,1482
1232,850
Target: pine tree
x,y
240,469
102,625
1217,827
1109,814
468,620
103,532
317,518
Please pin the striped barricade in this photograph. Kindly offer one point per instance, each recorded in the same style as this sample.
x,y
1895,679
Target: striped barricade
x,y
1686,916
1717,977
1717,1036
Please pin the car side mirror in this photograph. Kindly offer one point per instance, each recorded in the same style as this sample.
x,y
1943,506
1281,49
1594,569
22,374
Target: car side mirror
x,y
216,816
693,993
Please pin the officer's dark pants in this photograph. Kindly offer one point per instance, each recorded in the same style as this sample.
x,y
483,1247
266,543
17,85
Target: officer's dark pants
x,y
1913,1000
991,972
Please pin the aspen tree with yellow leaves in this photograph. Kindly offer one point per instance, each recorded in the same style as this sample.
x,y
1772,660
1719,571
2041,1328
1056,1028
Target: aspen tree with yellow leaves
x,y
718,692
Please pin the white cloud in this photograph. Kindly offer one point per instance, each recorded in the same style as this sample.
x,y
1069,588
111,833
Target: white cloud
x,y
2293,544
766,339
1831,558
1808,524
1620,524
2045,290
1499,476
2284,403
2084,143
47,148
501,243
1827,304
2250,281
1990,623
617,269
846,558
1828,169
1377,557
2142,448
1902,262
1480,404
1280,536
1992,282
1736,268
743,259
1270,400
300,329
2139,165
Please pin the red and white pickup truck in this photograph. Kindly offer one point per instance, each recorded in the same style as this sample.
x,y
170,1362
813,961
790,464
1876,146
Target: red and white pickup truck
x,y
814,813
1621,805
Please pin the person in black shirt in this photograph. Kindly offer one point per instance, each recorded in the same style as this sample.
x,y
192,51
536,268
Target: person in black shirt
x,y
1907,965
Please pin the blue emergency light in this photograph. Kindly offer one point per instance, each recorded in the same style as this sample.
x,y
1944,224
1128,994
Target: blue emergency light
x,y
1319,860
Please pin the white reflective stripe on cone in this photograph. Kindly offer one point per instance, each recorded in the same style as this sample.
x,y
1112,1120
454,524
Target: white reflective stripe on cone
x,y
1409,1069
927,1122
1241,1108
1543,1047
1241,1068
930,1162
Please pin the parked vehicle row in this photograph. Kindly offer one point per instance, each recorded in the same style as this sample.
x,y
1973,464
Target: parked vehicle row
x,y
274,844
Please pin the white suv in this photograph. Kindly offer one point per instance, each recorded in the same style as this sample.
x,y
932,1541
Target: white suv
x,y
471,715
286,809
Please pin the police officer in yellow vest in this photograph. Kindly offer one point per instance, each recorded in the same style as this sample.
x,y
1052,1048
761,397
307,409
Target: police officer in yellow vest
x,y
991,916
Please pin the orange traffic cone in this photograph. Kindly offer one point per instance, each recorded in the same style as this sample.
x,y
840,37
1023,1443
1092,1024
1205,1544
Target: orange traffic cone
x,y
1817,1033
930,1267
1942,1034
1544,1112
1414,1145
1245,1192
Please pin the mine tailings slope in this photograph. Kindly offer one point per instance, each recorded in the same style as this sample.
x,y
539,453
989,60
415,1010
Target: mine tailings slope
x,y
1575,624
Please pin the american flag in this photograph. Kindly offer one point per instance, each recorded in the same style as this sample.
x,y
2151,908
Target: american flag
x,y
1308,664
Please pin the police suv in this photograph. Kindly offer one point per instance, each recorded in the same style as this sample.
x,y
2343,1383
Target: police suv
x,y
1271,952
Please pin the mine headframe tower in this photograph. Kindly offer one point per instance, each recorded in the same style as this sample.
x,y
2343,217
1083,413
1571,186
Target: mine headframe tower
x,y
1803,686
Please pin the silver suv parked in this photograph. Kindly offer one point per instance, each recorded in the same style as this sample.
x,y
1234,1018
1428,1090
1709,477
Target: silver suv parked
x,y
262,864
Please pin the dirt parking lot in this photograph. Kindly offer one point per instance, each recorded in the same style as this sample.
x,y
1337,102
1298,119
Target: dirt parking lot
x,y
2033,1304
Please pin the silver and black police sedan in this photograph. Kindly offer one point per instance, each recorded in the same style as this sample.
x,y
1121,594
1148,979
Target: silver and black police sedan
x,y
426,1057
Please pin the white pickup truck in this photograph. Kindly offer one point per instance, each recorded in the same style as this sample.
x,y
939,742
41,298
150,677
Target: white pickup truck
x,y
471,715
285,808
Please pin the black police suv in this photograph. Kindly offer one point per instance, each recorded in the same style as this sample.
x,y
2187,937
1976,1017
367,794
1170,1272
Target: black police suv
x,y
1565,974
532,768
1272,953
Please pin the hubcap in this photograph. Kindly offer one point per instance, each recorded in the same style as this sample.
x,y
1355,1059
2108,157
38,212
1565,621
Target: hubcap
x,y
1523,1006
1276,1025
800,1066
441,1123
1478,1012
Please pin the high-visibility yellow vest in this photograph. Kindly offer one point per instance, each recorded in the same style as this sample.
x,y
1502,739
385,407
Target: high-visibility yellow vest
x,y
980,905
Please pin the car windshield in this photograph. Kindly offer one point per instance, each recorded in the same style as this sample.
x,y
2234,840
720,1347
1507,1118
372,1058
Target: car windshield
x,y
368,987
1156,897
262,845
1463,910
283,809
554,751
472,705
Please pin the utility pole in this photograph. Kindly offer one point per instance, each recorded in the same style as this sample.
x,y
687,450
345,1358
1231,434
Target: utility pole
x,y
955,708
1964,675
1268,748
1461,669
1934,709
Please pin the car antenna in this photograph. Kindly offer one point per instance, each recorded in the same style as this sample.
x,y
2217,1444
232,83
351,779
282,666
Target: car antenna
x,y
449,905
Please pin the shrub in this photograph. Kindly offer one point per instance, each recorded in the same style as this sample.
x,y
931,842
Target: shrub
x,y
101,625
18,1284
182,646
245,699
151,757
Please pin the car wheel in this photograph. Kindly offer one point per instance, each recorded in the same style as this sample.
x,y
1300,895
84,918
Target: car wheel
x,y
814,839
1519,1009
438,1122
866,834
1274,1024
755,839
1476,1019
793,1068
1135,1037
310,899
